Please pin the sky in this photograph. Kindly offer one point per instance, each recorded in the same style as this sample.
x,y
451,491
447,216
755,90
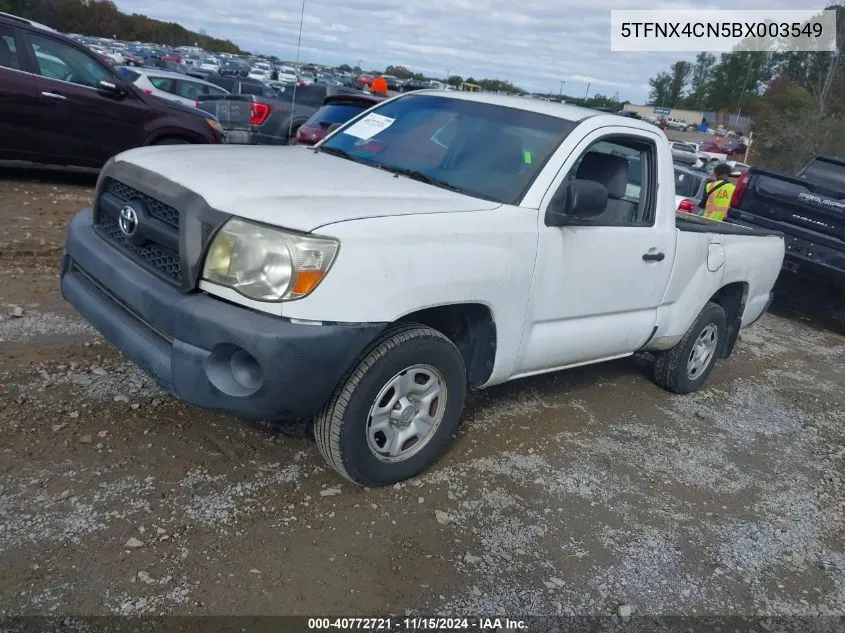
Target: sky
x,y
536,44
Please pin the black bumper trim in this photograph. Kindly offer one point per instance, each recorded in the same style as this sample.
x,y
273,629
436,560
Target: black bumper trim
x,y
178,338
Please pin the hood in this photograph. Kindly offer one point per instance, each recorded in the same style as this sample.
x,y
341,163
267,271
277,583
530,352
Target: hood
x,y
294,187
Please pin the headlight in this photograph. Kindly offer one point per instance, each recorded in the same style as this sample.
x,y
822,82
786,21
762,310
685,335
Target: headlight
x,y
215,125
267,264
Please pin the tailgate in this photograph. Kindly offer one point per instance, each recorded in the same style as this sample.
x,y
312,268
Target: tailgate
x,y
232,111
795,201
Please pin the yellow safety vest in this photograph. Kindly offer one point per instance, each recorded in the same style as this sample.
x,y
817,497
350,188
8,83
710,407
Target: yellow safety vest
x,y
719,201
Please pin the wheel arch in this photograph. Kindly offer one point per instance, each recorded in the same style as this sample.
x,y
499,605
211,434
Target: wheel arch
x,y
732,299
471,327
184,135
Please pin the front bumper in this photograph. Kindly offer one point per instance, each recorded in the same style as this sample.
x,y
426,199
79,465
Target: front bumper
x,y
204,350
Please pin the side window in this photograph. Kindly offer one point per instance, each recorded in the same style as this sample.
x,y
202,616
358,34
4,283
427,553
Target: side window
x,y
165,84
131,75
252,89
213,90
188,89
312,95
224,82
625,166
8,50
57,60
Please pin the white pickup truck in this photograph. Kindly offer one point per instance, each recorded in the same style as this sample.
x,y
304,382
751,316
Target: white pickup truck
x,y
439,242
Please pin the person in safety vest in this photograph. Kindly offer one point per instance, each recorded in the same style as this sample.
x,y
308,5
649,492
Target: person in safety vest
x,y
718,193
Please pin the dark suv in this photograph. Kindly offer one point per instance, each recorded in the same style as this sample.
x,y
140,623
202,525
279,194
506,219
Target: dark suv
x,y
60,104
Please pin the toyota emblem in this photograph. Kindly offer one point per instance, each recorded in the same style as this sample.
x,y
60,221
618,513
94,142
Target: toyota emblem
x,y
128,221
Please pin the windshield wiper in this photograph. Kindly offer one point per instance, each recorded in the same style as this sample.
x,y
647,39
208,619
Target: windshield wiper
x,y
335,151
414,174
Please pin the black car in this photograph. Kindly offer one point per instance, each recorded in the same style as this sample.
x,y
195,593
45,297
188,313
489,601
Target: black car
x,y
410,86
233,68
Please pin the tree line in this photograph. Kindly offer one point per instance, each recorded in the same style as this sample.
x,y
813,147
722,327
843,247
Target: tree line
x,y
101,18
736,80
796,100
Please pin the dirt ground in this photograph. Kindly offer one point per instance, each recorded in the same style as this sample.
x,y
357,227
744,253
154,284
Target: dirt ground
x,y
574,493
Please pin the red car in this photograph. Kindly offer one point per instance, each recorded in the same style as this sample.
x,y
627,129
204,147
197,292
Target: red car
x,y
336,110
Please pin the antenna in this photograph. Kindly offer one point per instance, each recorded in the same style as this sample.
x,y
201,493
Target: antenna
x,y
296,84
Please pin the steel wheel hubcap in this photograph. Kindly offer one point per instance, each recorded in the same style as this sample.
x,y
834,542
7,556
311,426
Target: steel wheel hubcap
x,y
406,413
702,351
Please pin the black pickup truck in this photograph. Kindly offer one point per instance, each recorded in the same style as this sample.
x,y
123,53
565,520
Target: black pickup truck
x,y
808,208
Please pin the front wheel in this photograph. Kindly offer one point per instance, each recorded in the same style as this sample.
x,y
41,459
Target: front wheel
x,y
398,409
172,140
685,367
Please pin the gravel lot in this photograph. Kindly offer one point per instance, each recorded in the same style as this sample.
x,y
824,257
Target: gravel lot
x,y
576,493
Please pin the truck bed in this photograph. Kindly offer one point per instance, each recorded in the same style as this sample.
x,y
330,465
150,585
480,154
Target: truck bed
x,y
696,224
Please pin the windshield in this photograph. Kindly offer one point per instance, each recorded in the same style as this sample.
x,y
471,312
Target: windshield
x,y
826,174
687,184
484,150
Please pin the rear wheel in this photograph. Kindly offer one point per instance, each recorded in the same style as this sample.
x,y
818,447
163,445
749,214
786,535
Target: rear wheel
x,y
398,409
685,367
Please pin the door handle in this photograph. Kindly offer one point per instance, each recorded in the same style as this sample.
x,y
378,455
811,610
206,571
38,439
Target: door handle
x,y
654,256
54,95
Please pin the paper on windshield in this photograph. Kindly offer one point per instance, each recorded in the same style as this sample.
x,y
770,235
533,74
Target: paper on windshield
x,y
369,126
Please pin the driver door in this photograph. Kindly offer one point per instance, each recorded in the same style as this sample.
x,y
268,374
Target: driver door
x,y
78,124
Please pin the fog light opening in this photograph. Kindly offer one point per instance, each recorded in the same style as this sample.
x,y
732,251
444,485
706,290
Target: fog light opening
x,y
233,370
245,369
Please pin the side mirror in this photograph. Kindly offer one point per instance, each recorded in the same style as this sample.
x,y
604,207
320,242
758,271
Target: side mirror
x,y
111,88
579,200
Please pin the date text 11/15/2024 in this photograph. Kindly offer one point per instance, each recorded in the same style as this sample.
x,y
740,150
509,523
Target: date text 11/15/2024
x,y
416,624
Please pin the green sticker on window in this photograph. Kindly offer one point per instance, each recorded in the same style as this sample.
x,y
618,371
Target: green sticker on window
x,y
527,157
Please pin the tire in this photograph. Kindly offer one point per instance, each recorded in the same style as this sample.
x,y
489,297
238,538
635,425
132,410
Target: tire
x,y
673,369
171,140
347,431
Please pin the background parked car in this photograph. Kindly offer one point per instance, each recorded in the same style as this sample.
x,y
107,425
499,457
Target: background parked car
x,y
260,71
177,87
106,54
676,124
336,110
241,85
268,119
210,65
735,148
234,68
287,75
684,152
689,187
60,104
737,168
